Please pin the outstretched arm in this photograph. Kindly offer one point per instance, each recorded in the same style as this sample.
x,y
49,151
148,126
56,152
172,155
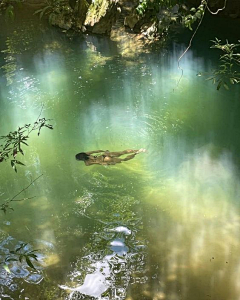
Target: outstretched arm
x,y
95,151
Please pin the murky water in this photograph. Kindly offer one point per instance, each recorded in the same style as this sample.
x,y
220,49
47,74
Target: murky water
x,y
165,225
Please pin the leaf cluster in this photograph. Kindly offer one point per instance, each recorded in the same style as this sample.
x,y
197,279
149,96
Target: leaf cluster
x,y
14,141
170,12
228,70
7,6
20,254
5,207
12,145
154,5
51,8
195,14
144,5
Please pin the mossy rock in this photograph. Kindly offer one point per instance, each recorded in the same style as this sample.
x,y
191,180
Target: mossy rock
x,y
102,14
62,19
80,11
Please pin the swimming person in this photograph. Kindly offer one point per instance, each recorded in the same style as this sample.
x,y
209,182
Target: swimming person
x,y
106,158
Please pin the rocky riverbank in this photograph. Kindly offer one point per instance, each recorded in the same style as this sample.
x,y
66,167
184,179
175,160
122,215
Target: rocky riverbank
x,y
120,20
103,16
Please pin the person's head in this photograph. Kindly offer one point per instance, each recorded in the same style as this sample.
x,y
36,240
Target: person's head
x,y
82,156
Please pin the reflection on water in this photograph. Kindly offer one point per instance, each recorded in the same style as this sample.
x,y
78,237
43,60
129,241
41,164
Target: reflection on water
x,y
198,209
114,252
10,281
108,271
165,225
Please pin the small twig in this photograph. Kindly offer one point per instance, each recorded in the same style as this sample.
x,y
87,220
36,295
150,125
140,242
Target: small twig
x,y
24,189
5,206
33,128
190,44
29,198
82,214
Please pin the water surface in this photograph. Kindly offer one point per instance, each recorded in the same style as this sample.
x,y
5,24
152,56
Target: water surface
x,y
164,225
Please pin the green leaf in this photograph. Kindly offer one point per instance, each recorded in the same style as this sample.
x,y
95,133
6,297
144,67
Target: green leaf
x,y
43,11
21,246
24,143
13,165
198,15
226,86
28,261
33,256
219,85
7,269
20,150
37,12
11,259
9,13
19,163
49,126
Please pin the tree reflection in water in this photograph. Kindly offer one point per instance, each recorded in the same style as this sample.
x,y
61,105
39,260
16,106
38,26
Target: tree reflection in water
x,y
115,256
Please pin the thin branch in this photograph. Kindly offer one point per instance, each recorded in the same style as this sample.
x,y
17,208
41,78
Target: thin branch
x,y
24,189
84,215
5,206
29,198
189,45
36,119
220,9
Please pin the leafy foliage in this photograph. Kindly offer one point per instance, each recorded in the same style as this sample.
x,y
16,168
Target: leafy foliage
x,y
52,8
14,141
144,5
7,7
195,14
154,5
20,253
168,13
228,70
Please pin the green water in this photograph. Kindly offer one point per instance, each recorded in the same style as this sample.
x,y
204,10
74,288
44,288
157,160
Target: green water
x,y
165,225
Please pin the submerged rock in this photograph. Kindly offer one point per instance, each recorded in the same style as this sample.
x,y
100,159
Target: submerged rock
x,y
131,20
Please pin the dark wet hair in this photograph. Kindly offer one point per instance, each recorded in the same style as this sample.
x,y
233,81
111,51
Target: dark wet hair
x,y
82,156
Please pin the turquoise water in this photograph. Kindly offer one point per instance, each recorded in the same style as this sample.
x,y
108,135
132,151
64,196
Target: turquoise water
x,y
165,225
